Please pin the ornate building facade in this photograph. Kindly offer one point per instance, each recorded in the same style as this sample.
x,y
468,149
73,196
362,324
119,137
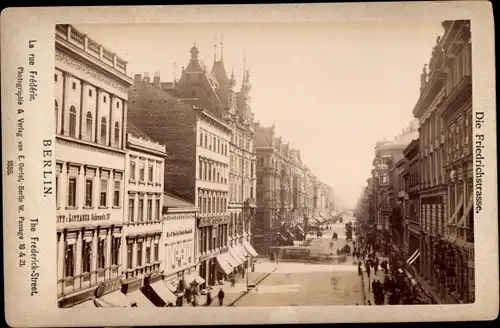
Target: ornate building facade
x,y
90,84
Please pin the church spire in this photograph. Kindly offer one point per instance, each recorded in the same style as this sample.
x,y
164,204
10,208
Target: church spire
x,y
221,47
215,50
194,52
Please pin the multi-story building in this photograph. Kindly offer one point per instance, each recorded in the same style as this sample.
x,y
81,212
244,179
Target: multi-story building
x,y
455,254
142,228
215,91
196,168
90,84
179,227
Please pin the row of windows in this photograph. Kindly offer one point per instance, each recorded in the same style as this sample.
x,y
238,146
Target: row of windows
x,y
209,170
88,129
71,256
212,203
241,166
152,254
153,172
213,237
140,209
179,254
210,141
90,178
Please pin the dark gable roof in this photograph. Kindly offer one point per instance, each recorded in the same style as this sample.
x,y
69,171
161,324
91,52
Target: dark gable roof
x,y
170,200
219,71
134,130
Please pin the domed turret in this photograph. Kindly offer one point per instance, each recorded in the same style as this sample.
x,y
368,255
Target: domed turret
x,y
194,52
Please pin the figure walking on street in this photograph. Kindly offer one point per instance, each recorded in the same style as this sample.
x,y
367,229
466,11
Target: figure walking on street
x,y
220,295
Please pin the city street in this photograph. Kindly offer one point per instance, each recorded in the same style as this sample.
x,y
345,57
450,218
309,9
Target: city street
x,y
299,284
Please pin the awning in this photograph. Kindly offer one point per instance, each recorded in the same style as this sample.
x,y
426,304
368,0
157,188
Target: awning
x,y
221,261
85,305
243,251
162,291
250,249
230,259
115,299
199,280
172,285
236,256
300,229
413,257
140,299
313,223
291,234
281,236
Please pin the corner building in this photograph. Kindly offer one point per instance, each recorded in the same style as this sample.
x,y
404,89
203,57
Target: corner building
x,y
90,84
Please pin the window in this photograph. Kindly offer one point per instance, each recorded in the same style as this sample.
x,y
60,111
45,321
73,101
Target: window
x,y
90,92
86,256
201,138
156,252
117,104
72,192
72,122
117,134
218,145
104,126
101,253
141,210
132,170
88,126
57,190
200,203
157,209
200,168
148,254
104,99
215,144
104,192
129,255
205,144
116,194
115,250
56,106
131,210
69,261
139,254
88,192
73,86
150,209
141,172
150,173
55,77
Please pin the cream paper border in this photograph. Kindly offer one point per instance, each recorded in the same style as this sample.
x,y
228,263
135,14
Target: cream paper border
x,y
22,24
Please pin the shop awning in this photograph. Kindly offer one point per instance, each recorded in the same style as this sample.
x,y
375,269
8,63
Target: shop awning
x,y
413,257
312,223
221,261
172,285
290,233
115,299
300,229
162,291
230,259
250,249
243,251
138,297
197,279
85,305
236,255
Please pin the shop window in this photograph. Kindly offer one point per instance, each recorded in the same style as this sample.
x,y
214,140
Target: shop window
x,y
115,250
101,253
86,256
72,122
129,255
69,261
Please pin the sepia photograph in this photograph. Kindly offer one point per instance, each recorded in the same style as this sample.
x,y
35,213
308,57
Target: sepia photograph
x,y
181,180
249,164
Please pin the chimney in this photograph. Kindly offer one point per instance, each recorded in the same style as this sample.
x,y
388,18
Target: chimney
x,y
156,79
146,78
138,77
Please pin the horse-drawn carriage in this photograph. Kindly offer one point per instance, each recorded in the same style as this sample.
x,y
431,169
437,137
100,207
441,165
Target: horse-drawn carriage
x,y
346,250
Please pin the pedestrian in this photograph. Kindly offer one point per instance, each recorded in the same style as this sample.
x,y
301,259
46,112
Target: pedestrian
x,y
233,281
209,297
369,302
220,295
242,273
368,272
194,301
375,267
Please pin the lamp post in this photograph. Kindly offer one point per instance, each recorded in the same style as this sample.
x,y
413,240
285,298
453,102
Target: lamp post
x,y
248,258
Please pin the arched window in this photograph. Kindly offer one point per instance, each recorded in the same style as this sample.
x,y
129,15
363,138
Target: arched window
x,y
117,134
104,126
88,126
72,122
56,106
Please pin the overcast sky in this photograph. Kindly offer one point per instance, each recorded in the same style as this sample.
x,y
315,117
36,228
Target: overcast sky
x,y
331,89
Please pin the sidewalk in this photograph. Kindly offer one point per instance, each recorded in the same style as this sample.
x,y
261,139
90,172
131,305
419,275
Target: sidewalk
x,y
263,268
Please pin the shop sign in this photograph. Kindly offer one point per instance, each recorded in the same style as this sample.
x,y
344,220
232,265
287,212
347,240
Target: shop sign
x,y
204,222
176,233
73,218
107,287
